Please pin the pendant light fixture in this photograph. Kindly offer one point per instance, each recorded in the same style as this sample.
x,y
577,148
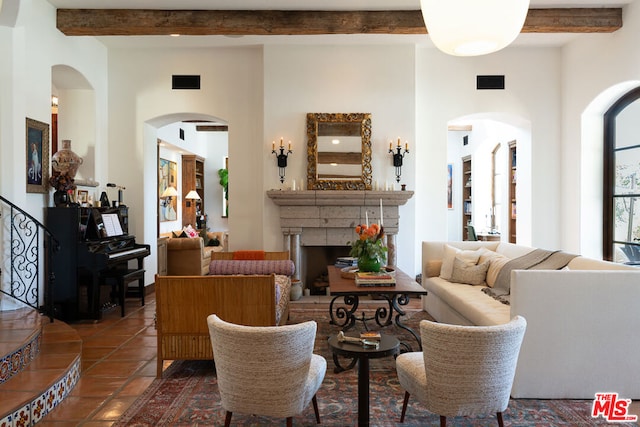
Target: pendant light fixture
x,y
473,27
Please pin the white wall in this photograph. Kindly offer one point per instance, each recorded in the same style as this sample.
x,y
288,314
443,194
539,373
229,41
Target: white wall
x,y
447,91
339,79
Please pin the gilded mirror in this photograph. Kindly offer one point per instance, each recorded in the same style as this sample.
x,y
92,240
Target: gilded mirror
x,y
339,151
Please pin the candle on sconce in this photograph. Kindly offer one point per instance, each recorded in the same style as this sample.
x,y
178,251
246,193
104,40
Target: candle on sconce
x,y
406,146
289,145
273,146
398,141
390,145
281,142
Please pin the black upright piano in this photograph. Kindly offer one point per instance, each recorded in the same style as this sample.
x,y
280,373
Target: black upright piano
x,y
92,241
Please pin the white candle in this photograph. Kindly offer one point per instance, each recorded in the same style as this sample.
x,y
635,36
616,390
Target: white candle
x,y
293,185
366,218
381,222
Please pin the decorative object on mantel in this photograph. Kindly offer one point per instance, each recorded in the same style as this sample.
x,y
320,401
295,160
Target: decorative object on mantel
x,y
281,157
339,151
64,186
369,248
65,161
398,155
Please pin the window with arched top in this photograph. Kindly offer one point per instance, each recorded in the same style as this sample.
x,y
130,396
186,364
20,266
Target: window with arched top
x,y
621,188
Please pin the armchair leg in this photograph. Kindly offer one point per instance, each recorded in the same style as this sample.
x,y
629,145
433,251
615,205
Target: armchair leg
x,y
443,421
404,406
315,408
289,421
500,422
227,419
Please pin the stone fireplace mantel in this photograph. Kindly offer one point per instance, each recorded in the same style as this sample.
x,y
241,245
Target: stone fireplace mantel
x,y
328,217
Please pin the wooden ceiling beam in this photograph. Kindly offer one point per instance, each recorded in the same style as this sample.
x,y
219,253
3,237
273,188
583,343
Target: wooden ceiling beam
x,y
143,22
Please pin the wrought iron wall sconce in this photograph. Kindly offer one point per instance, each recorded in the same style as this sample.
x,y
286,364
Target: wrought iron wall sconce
x,y
398,154
281,157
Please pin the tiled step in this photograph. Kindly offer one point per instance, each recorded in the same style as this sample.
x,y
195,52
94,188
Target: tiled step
x,y
39,365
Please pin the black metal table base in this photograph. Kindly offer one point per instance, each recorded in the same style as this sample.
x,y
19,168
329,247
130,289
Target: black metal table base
x,y
345,316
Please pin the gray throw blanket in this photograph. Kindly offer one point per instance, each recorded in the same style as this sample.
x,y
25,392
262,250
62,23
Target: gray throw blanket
x,y
538,259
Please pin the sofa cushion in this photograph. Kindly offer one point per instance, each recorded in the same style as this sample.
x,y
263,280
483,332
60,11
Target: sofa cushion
x,y
479,308
469,274
226,267
450,253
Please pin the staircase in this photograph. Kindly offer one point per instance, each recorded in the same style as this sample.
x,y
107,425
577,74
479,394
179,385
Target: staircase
x,y
39,365
39,356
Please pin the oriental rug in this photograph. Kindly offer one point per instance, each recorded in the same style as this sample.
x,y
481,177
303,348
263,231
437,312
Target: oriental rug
x,y
188,395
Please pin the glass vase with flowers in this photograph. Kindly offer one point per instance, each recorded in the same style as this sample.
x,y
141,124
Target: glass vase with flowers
x,y
369,249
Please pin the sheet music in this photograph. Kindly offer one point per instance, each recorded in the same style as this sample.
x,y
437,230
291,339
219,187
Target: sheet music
x,y
112,224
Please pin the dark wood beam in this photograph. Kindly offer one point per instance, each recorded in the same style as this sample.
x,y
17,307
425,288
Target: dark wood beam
x,y
141,22
212,128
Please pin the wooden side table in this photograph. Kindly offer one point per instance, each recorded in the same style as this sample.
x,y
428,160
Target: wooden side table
x,y
389,346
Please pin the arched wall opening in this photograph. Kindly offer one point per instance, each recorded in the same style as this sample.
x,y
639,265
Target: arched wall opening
x,y
158,128
477,136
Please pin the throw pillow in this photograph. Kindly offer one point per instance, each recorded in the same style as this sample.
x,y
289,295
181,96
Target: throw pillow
x,y
450,253
190,231
214,242
495,265
433,268
205,238
472,275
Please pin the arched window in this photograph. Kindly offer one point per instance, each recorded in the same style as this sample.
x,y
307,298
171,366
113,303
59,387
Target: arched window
x,y
621,189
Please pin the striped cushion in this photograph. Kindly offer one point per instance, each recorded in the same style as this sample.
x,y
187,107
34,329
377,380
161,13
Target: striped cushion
x,y
228,267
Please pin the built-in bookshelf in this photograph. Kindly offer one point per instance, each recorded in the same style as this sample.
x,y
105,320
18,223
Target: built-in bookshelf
x,y
467,206
513,163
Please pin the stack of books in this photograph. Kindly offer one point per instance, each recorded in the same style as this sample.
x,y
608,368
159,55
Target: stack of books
x,y
374,279
346,261
370,335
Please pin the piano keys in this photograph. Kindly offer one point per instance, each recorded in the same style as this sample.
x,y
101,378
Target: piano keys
x,y
88,249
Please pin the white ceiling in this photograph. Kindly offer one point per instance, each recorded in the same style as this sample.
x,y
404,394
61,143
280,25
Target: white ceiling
x,y
209,41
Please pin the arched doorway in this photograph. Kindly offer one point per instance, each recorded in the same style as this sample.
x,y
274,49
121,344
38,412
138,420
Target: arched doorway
x,y
190,141
481,156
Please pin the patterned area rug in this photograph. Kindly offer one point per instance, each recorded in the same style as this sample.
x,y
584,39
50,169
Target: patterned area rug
x,y
188,395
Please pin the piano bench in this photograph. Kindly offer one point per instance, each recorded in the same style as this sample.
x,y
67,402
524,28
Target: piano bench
x,y
121,279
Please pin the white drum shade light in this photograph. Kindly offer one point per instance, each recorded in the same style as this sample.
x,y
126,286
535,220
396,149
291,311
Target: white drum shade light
x,y
473,27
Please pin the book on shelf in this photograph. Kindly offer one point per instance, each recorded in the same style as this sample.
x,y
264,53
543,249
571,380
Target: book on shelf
x,y
370,335
374,279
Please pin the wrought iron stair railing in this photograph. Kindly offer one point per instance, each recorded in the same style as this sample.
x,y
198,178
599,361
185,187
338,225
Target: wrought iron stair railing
x,y
27,248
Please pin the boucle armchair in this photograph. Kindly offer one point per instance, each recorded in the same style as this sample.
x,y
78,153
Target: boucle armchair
x,y
269,371
463,370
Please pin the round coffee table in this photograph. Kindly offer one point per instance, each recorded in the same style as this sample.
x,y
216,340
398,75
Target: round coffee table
x,y
389,345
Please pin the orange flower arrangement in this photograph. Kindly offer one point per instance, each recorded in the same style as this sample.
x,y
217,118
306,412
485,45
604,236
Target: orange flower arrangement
x,y
370,244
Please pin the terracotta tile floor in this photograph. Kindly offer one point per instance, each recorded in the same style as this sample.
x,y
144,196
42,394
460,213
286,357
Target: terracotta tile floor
x,y
118,364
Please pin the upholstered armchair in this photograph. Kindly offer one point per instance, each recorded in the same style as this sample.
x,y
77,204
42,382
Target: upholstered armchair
x,y
462,370
266,370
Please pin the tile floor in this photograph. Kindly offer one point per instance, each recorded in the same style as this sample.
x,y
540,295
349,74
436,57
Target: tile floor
x,y
118,364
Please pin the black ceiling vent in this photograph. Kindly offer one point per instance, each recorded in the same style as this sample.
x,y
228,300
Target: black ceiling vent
x,y
489,82
185,82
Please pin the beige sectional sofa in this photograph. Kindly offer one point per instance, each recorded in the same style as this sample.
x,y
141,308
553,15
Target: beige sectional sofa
x,y
582,320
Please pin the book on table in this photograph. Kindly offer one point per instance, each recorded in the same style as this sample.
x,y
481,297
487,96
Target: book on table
x,y
370,335
374,279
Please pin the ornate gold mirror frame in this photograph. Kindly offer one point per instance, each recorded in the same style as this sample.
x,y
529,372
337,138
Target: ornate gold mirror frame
x,y
351,160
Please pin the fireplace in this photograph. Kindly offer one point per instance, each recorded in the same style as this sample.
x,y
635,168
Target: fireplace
x,y
318,224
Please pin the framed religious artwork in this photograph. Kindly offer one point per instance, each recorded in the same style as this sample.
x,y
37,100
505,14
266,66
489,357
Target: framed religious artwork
x,y
37,159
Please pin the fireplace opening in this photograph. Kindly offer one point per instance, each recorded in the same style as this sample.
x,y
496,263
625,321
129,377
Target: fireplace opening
x,y
314,265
